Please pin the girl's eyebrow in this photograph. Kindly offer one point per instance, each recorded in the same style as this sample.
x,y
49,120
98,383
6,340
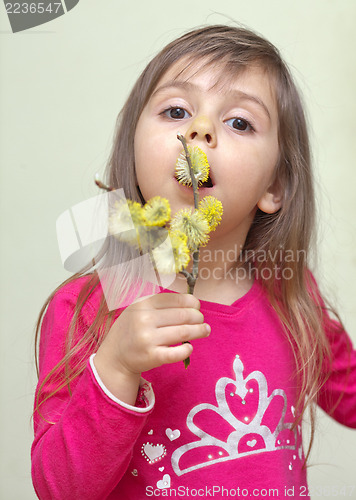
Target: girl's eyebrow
x,y
233,93
175,84
243,96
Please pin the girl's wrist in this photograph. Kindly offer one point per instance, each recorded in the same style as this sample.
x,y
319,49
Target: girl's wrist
x,y
122,383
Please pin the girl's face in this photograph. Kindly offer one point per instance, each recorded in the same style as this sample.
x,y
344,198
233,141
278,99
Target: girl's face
x,y
235,124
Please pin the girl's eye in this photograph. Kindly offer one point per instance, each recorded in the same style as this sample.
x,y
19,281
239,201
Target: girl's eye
x,y
176,113
239,124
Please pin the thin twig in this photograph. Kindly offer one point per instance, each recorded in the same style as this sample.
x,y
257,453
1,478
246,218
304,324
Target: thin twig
x,y
191,278
192,176
101,185
185,273
195,264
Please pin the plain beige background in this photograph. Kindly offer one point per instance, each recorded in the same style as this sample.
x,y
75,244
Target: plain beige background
x,y
62,85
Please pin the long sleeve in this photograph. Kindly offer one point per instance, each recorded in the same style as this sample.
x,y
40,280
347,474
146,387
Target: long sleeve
x,y
338,396
83,441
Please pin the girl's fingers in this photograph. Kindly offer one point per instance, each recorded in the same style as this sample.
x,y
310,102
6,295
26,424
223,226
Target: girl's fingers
x,y
176,316
171,335
173,300
167,355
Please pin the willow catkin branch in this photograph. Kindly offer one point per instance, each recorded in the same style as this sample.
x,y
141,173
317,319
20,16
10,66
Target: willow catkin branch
x,y
191,278
194,276
192,176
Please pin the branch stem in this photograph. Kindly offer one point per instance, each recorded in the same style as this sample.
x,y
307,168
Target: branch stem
x,y
101,185
192,176
191,278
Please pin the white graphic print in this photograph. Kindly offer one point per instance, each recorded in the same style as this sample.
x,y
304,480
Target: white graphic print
x,y
165,482
153,452
172,435
248,418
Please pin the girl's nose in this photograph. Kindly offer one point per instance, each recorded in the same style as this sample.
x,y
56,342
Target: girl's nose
x,y
202,129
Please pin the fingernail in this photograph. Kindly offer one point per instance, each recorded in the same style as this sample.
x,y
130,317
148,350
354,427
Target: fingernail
x,y
207,328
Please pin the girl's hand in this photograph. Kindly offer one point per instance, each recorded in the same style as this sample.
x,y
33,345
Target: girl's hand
x,y
145,336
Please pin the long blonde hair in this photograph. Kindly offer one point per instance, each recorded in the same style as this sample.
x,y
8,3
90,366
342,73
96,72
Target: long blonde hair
x,y
296,299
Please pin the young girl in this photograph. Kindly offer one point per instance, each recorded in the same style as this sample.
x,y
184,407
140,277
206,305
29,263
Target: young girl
x,y
116,414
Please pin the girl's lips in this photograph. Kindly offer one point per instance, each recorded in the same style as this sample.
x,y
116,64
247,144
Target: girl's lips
x,y
206,191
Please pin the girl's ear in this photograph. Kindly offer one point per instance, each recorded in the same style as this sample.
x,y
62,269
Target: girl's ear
x,y
271,201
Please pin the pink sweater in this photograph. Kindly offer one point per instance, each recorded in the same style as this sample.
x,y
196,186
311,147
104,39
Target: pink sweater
x,y
221,428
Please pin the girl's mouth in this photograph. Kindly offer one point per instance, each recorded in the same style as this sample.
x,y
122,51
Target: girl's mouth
x,y
207,184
